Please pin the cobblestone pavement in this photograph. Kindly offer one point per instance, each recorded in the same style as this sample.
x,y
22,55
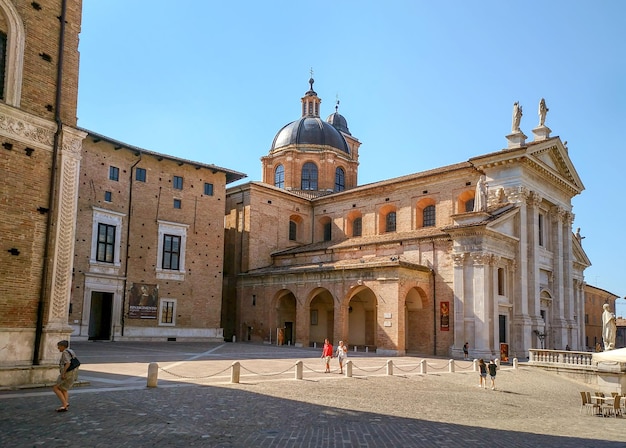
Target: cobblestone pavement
x,y
529,408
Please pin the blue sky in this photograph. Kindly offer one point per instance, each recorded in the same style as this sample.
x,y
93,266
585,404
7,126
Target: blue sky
x,y
422,84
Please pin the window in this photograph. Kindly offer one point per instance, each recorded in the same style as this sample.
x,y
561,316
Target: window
x,y
114,173
502,328
177,183
140,174
171,252
309,176
106,243
108,197
340,179
170,257
501,281
469,205
208,189
293,230
357,227
429,216
314,317
279,177
327,231
167,312
106,235
586,318
177,203
3,50
540,229
390,222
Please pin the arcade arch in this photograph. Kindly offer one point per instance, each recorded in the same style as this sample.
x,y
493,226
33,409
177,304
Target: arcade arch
x,y
418,318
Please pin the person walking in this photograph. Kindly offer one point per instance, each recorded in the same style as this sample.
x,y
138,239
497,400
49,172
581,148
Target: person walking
x,y
466,350
483,373
66,378
327,354
492,367
342,354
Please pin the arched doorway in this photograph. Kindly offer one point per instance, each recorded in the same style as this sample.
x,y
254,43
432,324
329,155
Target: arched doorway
x,y
322,317
285,321
362,323
418,326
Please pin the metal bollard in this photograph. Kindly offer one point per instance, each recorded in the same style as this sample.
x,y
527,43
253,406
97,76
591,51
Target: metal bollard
x,y
423,366
235,369
315,345
153,374
234,338
515,363
475,365
451,366
367,349
348,369
390,367
299,370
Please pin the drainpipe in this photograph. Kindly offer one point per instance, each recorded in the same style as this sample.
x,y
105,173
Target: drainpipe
x,y
130,204
43,293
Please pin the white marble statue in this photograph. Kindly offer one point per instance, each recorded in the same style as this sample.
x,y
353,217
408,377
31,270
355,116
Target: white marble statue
x,y
480,197
517,117
543,111
609,328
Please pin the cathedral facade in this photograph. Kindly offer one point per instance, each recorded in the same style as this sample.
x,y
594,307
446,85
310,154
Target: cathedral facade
x,y
480,252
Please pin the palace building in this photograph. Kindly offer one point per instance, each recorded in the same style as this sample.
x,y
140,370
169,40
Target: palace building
x,y
481,251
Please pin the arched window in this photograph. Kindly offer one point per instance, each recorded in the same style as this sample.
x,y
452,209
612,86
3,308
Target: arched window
x,y
328,231
309,176
293,230
279,177
429,216
13,43
357,227
390,222
340,179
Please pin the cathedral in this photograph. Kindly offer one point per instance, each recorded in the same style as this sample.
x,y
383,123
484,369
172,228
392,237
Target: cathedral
x,y
479,252
102,240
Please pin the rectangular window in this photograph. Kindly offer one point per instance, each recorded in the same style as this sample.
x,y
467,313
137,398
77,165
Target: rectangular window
x,y
171,252
313,317
429,218
167,312
390,222
293,230
140,174
357,227
208,189
540,230
114,173
177,203
177,183
502,327
108,196
106,243
327,231
501,281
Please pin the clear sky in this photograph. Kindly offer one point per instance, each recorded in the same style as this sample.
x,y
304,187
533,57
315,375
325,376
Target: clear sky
x,y
422,84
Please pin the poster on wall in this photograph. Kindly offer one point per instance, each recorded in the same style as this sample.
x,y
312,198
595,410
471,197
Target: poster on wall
x,y
143,301
444,308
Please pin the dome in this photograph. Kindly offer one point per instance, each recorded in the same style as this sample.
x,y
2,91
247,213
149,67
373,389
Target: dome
x,y
339,122
310,131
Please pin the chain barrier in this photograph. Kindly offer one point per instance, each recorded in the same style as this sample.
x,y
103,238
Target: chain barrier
x,y
431,366
395,366
375,369
268,374
470,367
194,377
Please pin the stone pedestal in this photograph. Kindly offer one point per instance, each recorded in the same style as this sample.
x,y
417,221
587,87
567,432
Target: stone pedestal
x,y
611,376
541,133
516,140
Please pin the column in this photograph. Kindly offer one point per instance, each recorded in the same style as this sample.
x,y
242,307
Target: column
x,y
460,302
482,297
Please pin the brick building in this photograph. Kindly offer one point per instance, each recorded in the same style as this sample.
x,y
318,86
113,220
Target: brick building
x,y
39,164
595,298
149,245
422,263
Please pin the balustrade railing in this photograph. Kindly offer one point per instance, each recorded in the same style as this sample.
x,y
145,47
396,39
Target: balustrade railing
x,y
563,357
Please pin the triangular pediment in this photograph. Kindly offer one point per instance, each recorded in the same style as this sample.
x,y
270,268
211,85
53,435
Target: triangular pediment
x,y
552,156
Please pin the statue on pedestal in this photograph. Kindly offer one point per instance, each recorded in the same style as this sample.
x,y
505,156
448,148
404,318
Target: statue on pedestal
x,y
517,117
543,111
480,197
609,328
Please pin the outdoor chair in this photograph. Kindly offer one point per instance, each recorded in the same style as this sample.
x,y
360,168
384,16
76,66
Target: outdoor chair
x,y
612,408
590,406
